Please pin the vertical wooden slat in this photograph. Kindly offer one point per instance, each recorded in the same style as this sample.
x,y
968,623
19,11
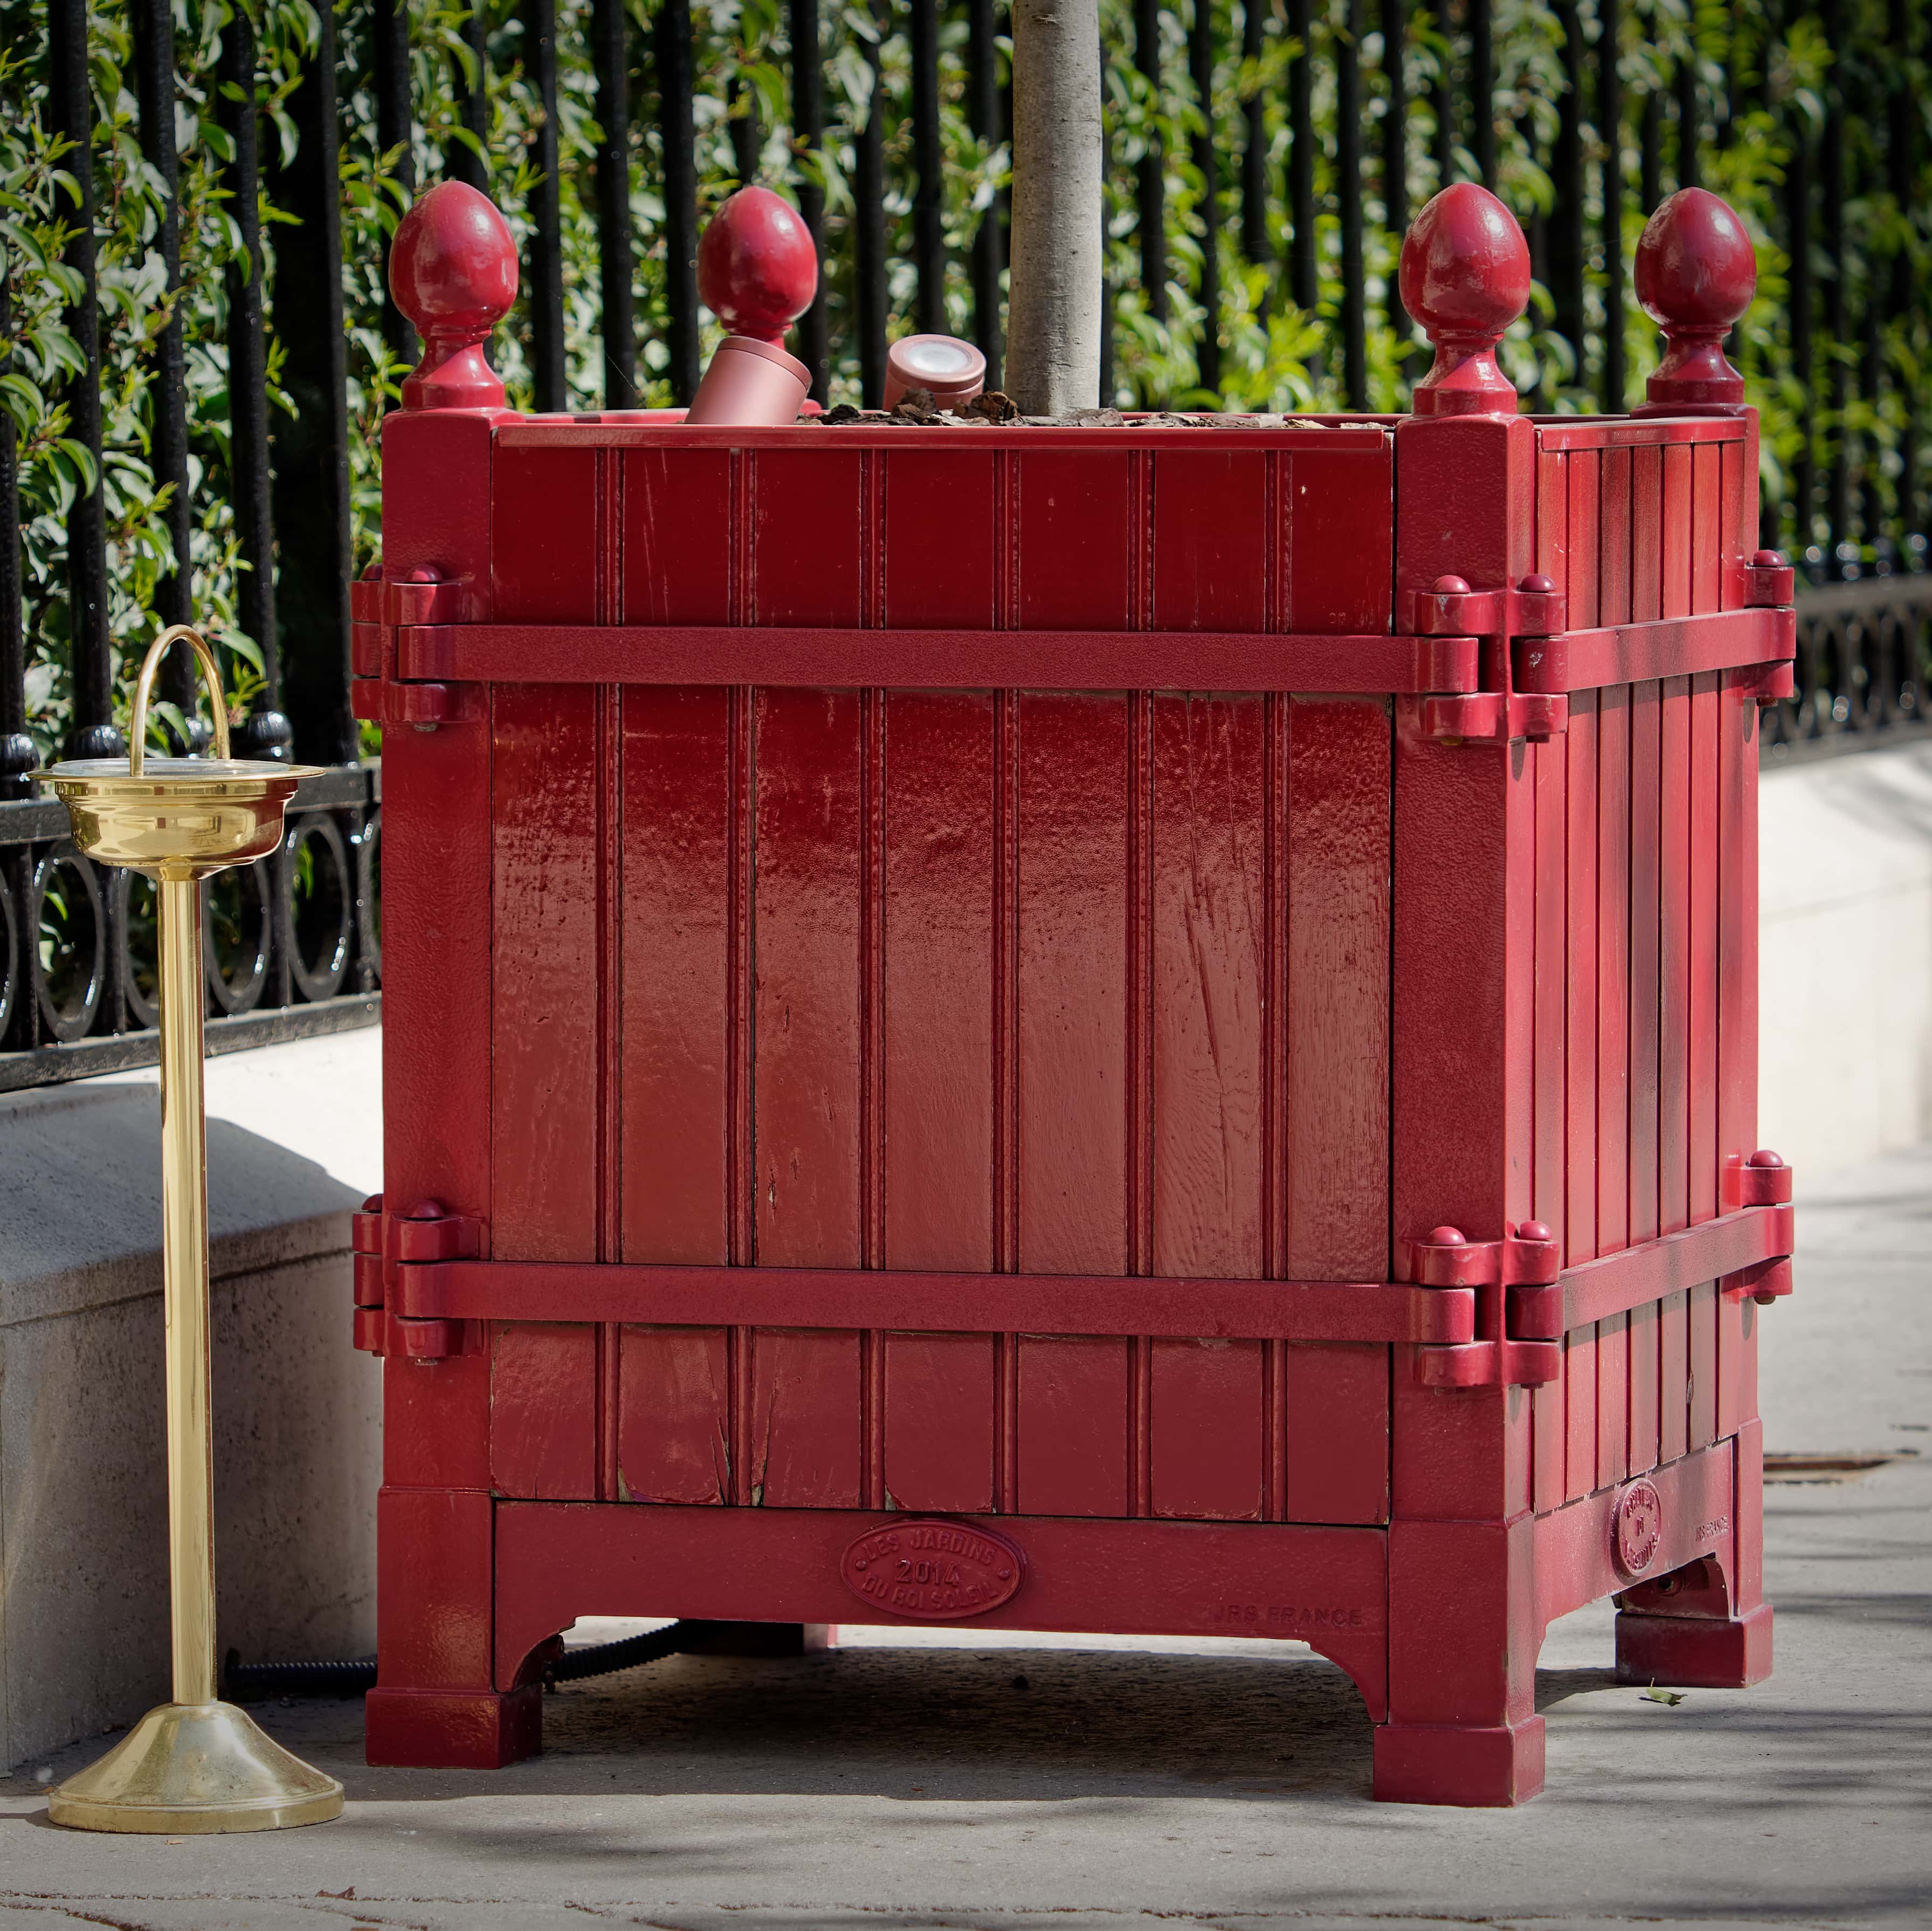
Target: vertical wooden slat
x,y
807,1084
676,793
1737,930
1645,912
1208,1430
543,1411
545,270
939,1064
1072,934
1338,1041
1674,960
806,1439
1613,969
673,1439
940,1412
1704,989
543,1045
1713,534
1208,998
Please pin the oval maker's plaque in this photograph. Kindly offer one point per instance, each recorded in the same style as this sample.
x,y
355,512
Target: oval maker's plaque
x,y
939,1571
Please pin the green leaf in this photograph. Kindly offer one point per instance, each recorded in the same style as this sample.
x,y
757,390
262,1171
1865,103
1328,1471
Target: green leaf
x,y
1670,1697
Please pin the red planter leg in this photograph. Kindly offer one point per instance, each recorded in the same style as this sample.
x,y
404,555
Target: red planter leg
x,y
435,1705
1462,1725
1692,1653
1702,1629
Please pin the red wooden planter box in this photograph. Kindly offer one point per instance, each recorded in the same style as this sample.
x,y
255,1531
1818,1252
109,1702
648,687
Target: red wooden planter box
x,y
948,991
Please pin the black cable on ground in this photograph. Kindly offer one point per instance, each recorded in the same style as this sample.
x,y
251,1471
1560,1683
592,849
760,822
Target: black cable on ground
x,y
243,1682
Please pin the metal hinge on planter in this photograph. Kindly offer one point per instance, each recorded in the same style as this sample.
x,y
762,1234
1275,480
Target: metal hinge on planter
x,y
1526,1256
384,1243
379,610
1534,607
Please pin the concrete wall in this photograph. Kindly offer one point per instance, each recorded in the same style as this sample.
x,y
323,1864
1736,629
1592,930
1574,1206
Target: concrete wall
x,y
83,1492
1845,973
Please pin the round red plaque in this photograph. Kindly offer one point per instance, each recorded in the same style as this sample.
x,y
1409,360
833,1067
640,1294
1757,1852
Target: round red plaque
x,y
936,1571
1637,1527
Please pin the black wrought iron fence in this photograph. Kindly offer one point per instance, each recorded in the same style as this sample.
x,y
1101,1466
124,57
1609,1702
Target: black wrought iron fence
x,y
194,349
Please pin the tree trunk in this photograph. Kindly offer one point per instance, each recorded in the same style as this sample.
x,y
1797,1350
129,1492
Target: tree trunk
x,y
1053,339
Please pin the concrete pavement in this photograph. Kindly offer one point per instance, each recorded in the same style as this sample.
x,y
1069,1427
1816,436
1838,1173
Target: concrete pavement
x,y
1036,1785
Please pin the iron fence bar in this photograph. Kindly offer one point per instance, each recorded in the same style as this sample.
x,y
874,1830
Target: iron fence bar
x,y
1650,150
546,214
1348,204
1303,281
395,129
310,497
1201,72
1568,238
1442,102
154,89
808,129
1799,299
1690,118
1609,125
1483,90
928,232
671,49
747,133
1832,185
1256,244
610,60
1150,197
460,161
1395,141
248,457
868,238
17,754
1901,120
71,116
984,113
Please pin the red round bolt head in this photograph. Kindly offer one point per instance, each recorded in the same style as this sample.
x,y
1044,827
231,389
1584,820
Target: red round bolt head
x,y
1532,1230
1449,586
1446,1237
1465,276
1537,585
425,1210
1764,1157
1769,559
1696,271
453,272
757,268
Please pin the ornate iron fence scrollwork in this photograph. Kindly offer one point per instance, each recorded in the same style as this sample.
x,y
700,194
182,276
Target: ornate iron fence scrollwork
x,y
294,948
1865,663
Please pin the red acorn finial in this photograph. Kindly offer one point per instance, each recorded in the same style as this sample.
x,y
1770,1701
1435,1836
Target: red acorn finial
x,y
453,272
758,267
1466,278
1696,271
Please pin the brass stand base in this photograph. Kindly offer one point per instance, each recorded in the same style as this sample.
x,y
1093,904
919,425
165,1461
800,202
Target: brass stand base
x,y
188,1768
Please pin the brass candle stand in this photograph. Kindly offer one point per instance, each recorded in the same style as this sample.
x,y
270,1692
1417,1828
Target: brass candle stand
x,y
196,1763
